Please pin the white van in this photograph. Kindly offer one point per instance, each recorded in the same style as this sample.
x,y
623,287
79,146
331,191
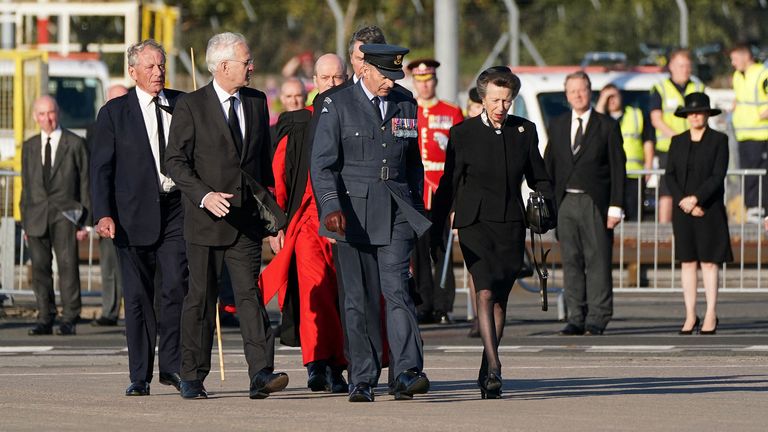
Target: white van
x,y
79,87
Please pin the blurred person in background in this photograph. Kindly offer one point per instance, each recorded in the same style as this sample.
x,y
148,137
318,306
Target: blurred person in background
x,y
750,123
55,208
293,95
111,280
638,136
586,161
666,96
696,169
488,157
435,119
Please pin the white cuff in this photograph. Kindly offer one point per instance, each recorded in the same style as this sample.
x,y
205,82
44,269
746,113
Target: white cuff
x,y
616,212
202,201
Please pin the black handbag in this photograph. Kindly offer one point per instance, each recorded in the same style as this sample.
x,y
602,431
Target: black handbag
x,y
540,217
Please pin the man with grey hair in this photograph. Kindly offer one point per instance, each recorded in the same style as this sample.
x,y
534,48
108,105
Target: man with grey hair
x,y
54,208
219,156
138,206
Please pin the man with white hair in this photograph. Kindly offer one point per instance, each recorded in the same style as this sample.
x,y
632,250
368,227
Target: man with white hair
x,y
138,206
219,156
307,292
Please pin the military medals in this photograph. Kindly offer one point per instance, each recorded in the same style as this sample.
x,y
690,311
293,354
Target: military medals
x,y
404,128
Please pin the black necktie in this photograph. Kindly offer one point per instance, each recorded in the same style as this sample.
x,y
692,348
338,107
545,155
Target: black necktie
x,y
578,138
160,134
47,164
377,103
234,126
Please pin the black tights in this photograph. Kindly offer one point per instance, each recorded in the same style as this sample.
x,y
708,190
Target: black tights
x,y
491,315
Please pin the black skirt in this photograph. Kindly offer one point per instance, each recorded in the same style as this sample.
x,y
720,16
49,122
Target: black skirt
x,y
702,239
493,252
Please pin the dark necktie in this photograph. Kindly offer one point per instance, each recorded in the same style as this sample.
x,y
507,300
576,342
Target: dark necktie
x,y
377,103
234,126
47,164
160,134
578,138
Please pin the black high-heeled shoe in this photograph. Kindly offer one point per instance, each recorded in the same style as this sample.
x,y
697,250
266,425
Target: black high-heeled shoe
x,y
491,386
713,331
693,329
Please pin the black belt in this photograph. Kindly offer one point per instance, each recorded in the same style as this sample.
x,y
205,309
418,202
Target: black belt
x,y
166,196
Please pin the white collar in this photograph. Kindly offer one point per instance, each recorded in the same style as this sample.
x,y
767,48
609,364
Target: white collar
x,y
145,99
365,89
222,94
584,117
55,134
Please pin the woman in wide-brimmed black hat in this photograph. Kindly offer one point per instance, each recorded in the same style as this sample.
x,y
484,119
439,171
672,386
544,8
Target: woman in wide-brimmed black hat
x,y
695,173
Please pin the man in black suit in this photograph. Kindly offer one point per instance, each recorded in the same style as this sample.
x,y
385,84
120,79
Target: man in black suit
x,y
586,160
138,206
219,146
54,208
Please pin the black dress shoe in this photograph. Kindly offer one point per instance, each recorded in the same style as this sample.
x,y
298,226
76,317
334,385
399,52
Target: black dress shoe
x,y
490,387
338,383
443,318
171,379
104,322
317,373
571,330
426,317
593,331
713,331
138,388
264,383
193,390
40,330
66,329
361,393
409,383
693,329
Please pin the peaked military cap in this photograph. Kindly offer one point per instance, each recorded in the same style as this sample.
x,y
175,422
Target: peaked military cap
x,y
423,69
388,59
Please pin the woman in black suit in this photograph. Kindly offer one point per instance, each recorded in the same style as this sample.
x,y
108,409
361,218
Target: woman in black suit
x,y
486,159
696,168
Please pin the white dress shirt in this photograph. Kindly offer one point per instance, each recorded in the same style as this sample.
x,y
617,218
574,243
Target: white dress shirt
x,y
55,138
150,122
224,102
613,211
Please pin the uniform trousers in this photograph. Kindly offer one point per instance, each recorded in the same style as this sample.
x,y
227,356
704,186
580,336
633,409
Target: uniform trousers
x,y
140,266
369,272
754,155
61,238
111,280
243,261
586,246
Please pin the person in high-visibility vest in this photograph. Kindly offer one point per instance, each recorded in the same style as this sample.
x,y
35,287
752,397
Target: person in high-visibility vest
x,y
638,144
666,96
750,123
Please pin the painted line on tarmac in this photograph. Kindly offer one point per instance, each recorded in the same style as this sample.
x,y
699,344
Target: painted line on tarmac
x,y
24,349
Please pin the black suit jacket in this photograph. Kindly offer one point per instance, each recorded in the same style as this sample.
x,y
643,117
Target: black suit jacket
x,y
711,167
68,188
124,177
202,158
483,173
598,168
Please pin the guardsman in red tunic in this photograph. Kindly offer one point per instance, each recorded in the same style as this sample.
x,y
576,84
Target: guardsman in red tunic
x,y
302,272
435,119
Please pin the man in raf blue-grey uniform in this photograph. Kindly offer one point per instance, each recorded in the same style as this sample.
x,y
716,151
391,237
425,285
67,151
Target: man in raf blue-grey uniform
x,y
367,174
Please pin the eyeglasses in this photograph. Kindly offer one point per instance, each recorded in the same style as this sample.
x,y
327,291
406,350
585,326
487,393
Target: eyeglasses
x,y
245,63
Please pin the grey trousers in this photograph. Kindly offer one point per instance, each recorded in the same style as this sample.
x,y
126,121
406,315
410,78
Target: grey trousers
x,y
111,280
60,238
368,273
586,246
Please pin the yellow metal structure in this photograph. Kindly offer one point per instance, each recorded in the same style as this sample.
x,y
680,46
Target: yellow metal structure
x,y
158,21
29,77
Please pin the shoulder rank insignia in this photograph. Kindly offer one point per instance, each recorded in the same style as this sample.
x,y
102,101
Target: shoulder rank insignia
x,y
327,100
520,129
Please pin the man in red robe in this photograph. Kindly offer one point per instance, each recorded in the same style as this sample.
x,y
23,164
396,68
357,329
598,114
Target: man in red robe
x,y
302,272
